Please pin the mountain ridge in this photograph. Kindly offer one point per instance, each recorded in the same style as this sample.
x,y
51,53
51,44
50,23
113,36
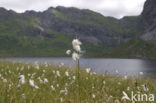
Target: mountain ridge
x,y
46,33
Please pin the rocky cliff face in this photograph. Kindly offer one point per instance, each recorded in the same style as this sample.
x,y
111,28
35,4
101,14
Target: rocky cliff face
x,y
148,20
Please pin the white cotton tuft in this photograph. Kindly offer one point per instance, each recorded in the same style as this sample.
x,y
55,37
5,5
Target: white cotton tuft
x,y
53,88
45,80
76,42
31,83
67,74
77,48
88,70
75,56
68,52
58,73
22,79
76,45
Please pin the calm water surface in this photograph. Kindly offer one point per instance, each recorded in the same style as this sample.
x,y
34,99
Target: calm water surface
x,y
123,66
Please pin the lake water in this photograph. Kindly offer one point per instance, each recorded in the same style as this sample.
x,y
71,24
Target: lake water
x,y
123,66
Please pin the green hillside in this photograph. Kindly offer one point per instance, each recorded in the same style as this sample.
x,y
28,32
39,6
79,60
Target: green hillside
x,y
135,48
50,33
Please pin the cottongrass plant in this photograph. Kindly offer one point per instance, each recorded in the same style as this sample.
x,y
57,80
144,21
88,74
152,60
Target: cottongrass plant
x,y
76,43
23,83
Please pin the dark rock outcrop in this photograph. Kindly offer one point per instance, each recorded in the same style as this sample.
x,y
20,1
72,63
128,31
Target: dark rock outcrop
x,y
148,20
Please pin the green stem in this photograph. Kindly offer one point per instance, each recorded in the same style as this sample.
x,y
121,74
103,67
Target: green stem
x,y
78,80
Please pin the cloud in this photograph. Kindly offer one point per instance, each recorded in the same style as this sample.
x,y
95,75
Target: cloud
x,y
115,8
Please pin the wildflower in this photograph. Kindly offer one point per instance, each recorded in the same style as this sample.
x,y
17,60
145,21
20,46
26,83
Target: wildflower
x,y
52,87
75,56
31,83
22,79
104,82
62,91
53,71
76,42
45,80
36,87
58,73
68,52
10,86
65,91
93,96
77,48
41,81
76,45
67,74
57,85
5,80
145,87
88,70
74,77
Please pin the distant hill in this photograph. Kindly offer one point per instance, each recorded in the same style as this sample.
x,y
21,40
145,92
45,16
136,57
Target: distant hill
x,y
49,33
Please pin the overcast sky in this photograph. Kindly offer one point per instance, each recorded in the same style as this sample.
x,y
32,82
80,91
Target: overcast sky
x,y
115,8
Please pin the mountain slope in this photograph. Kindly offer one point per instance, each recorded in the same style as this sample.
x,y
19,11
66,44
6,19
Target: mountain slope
x,y
134,48
49,33
145,45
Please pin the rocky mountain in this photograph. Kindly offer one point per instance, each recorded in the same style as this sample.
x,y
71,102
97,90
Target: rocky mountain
x,y
49,33
148,20
91,27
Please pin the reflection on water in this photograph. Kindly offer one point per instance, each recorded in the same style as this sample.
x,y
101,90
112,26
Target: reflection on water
x,y
123,66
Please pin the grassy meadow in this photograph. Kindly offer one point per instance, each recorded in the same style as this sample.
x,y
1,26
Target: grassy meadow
x,y
35,83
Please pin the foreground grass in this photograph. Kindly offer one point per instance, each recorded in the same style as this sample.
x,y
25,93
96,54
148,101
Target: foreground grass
x,y
58,84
